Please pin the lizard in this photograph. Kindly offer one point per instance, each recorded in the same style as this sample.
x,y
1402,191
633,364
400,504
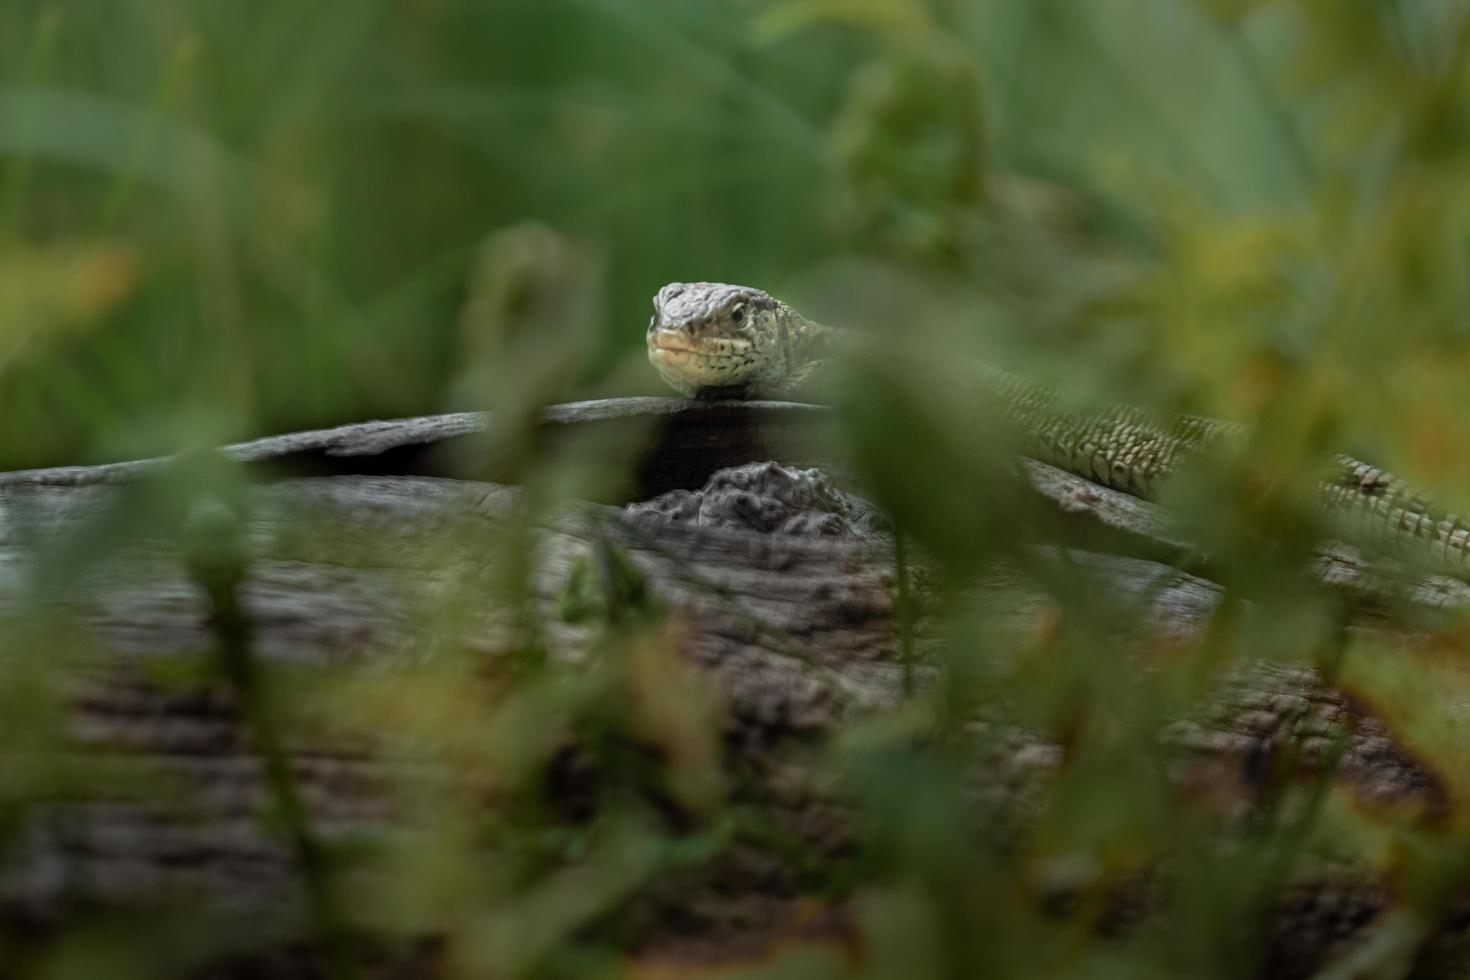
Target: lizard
x,y
717,340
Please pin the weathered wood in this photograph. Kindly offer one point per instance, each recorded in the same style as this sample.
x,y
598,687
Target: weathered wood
x,y
681,443
794,634
689,440
685,441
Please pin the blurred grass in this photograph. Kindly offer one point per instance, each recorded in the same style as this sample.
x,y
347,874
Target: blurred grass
x,y
240,217
303,185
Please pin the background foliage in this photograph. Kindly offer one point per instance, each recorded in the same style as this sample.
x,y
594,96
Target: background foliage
x,y
259,216
225,219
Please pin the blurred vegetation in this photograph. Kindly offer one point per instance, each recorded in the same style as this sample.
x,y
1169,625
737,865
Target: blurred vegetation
x,y
226,219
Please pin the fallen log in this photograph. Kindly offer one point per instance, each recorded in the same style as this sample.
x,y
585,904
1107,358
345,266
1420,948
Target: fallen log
x,y
795,635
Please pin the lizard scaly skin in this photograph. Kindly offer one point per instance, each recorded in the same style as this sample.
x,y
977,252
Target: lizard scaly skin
x,y
717,340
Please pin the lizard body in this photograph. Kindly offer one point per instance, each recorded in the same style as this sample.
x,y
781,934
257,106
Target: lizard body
x,y
716,339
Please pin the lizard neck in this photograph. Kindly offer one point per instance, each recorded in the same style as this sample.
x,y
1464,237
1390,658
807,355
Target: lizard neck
x,y
801,348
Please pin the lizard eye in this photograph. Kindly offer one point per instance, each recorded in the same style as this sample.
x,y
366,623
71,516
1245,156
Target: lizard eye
x,y
737,314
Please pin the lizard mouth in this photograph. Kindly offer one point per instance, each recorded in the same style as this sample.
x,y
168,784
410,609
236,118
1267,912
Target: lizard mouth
x,y
690,369
688,362
670,345
676,343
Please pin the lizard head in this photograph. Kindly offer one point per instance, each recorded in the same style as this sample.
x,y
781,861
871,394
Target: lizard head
x,y
709,335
